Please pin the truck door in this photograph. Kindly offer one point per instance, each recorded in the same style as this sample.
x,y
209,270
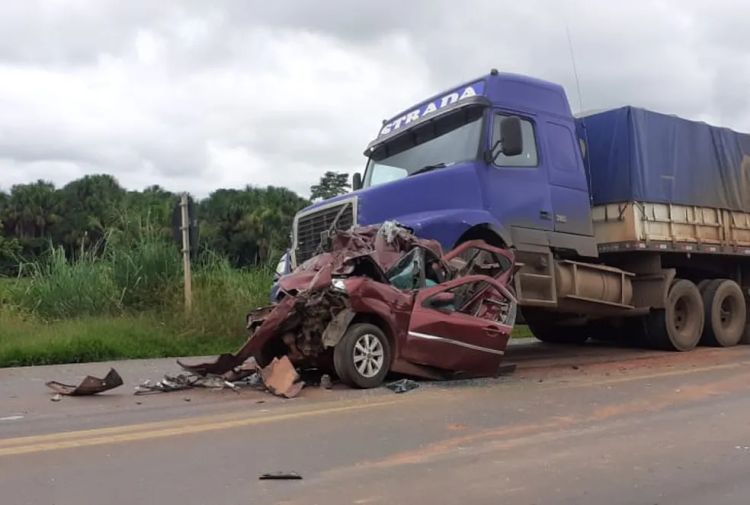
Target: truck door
x,y
567,180
517,187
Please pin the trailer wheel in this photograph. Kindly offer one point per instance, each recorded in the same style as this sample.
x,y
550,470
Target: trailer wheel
x,y
679,326
702,285
362,357
548,328
725,313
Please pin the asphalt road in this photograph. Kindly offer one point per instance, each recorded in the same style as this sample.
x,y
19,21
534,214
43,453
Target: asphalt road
x,y
588,425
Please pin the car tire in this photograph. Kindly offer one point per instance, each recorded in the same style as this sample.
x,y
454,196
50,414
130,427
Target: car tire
x,y
725,313
362,358
677,327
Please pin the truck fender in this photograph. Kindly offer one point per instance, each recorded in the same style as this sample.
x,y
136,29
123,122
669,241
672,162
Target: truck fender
x,y
451,225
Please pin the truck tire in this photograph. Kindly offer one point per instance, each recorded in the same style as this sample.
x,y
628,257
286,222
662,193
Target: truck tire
x,y
548,328
362,357
725,313
678,327
702,285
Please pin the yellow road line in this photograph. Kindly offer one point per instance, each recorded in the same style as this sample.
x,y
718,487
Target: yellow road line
x,y
175,427
146,431
657,375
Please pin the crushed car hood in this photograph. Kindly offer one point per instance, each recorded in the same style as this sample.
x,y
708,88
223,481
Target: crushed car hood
x,y
350,277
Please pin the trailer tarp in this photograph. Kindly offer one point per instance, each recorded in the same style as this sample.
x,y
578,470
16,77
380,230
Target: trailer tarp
x,y
639,155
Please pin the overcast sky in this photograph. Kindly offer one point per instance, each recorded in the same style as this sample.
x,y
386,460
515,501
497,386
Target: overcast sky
x,y
200,95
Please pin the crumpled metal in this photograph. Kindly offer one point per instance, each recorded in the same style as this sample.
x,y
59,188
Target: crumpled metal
x,y
89,385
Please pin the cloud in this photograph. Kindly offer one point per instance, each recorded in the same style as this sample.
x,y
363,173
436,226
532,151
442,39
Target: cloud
x,y
200,95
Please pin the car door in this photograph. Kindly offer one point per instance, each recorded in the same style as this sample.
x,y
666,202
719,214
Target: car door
x,y
454,326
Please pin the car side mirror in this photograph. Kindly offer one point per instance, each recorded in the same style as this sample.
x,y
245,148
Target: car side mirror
x,y
356,181
511,139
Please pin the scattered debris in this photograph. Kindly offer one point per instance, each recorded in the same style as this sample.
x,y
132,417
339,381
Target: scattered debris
x,y
325,381
281,378
167,384
56,398
280,476
182,382
402,385
89,385
187,399
575,367
506,369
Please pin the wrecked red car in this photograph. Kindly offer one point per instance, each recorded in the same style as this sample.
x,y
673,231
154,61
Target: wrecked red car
x,y
379,300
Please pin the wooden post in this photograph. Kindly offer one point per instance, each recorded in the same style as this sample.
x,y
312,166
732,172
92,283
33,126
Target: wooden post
x,y
185,230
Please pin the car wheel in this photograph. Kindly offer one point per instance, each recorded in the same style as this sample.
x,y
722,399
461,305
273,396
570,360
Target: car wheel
x,y
725,313
362,357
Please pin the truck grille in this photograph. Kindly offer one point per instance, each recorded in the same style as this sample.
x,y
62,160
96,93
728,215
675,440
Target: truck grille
x,y
309,227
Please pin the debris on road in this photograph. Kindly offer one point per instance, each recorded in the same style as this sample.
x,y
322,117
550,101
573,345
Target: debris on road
x,y
281,378
280,476
182,382
402,385
89,385
325,381
56,398
506,369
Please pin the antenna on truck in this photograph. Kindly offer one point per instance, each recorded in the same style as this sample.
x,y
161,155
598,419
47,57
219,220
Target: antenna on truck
x,y
585,148
575,68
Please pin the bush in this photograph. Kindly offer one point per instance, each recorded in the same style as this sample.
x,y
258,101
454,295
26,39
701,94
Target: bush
x,y
57,288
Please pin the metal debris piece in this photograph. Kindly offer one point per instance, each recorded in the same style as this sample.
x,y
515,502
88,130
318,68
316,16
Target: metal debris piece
x,y
281,378
280,476
506,369
89,385
184,381
402,385
326,382
56,398
167,384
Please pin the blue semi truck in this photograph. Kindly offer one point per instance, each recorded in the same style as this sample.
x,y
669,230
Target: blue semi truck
x,y
623,222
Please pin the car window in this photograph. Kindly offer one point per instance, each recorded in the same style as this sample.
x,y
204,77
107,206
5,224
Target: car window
x,y
477,261
528,158
420,268
477,299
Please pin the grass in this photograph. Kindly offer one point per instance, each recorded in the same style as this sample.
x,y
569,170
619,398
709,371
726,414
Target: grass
x,y
521,331
26,341
125,301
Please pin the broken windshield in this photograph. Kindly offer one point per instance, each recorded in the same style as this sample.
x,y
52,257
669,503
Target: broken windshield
x,y
435,144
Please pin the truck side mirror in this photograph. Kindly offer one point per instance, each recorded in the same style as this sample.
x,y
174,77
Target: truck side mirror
x,y
356,181
511,138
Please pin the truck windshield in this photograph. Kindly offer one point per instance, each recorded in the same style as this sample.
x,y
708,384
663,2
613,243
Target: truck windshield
x,y
448,139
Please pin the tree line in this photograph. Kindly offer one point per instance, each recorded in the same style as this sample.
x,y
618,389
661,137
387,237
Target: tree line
x,y
249,226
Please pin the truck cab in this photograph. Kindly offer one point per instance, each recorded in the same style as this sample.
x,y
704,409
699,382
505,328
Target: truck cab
x,y
444,168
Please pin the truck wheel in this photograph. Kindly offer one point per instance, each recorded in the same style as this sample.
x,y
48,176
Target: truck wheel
x,y
725,313
363,356
702,285
547,328
679,326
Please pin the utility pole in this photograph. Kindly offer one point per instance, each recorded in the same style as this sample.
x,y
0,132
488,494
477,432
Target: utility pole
x,y
186,268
